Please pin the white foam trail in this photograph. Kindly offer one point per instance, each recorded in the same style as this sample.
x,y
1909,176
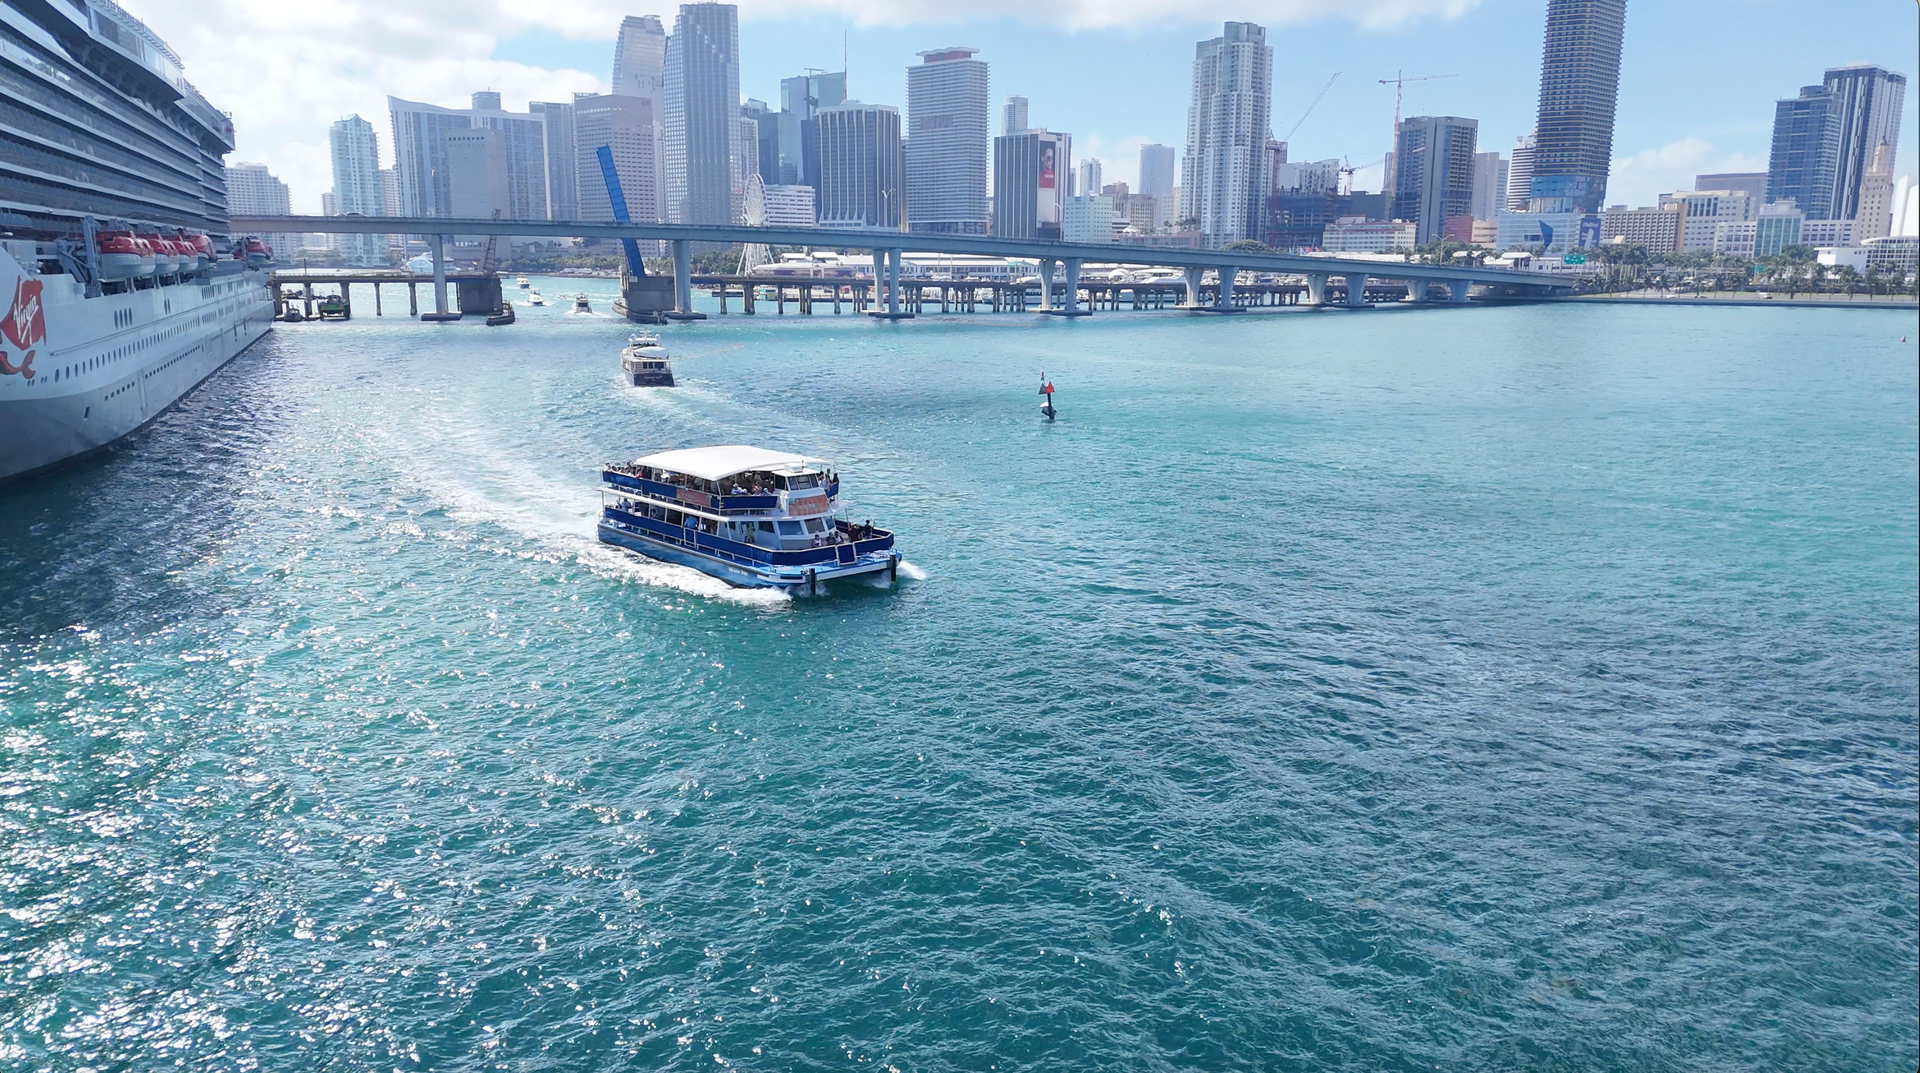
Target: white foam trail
x,y
908,570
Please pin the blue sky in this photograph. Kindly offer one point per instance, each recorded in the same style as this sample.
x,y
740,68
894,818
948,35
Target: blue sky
x,y
1697,88
1698,79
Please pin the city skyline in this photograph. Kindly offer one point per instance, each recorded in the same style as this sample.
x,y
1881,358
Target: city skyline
x,y
1068,78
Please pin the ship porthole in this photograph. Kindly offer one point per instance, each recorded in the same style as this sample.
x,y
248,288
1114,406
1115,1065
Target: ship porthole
x,y
88,412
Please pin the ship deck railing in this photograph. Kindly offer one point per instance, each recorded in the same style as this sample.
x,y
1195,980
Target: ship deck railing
x,y
747,554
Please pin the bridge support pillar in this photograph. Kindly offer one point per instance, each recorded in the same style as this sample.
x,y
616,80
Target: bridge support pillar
x,y
1193,288
440,282
1316,288
1457,289
683,284
1224,300
1417,289
890,273
1357,290
1046,284
1070,304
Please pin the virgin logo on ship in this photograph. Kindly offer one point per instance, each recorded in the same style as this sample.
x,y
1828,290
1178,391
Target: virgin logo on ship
x,y
23,328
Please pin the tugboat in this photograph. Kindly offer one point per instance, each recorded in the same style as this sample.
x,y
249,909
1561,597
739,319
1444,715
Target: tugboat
x,y
644,362
581,305
748,516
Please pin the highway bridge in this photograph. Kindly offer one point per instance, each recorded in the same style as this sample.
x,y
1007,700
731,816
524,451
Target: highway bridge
x,y
889,246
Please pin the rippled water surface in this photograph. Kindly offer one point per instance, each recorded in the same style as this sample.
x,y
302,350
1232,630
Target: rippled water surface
x,y
1525,688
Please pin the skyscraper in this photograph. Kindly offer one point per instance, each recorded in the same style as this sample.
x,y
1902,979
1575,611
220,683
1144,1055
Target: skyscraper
x,y
765,136
1824,139
1157,174
1087,177
1875,218
1520,173
704,183
1013,118
861,166
1223,180
1433,172
1579,83
640,58
801,98
628,126
1489,185
948,142
422,133
356,185
563,186
1030,169
1806,151
252,190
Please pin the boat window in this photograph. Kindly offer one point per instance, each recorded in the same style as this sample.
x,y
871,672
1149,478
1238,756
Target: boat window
x,y
673,517
814,526
766,527
791,528
657,512
804,480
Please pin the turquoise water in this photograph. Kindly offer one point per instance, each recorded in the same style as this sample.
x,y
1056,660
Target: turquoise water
x,y
1523,688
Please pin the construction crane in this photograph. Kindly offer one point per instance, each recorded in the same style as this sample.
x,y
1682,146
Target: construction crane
x,y
1311,107
1346,173
1399,83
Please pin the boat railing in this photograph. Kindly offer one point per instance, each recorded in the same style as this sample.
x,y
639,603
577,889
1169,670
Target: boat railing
x,y
746,554
693,497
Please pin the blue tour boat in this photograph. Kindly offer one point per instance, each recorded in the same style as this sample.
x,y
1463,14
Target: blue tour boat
x,y
746,515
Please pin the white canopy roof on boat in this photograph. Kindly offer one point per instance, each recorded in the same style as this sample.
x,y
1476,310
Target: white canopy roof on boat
x,y
713,463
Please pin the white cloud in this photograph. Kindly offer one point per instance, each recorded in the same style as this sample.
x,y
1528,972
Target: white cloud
x,y
287,72
1640,179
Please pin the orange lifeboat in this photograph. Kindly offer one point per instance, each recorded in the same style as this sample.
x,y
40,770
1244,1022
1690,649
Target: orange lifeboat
x,y
122,257
202,251
165,263
258,253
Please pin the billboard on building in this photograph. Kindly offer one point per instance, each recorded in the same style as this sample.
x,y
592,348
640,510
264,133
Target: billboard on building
x,y
1049,195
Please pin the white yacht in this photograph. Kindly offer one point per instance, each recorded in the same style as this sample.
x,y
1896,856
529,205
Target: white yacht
x,y
749,516
643,361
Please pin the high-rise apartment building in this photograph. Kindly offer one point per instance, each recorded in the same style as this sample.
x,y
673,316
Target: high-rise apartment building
x,y
1030,169
801,98
1806,151
1703,211
422,134
1520,173
563,183
1579,84
1087,177
252,190
1824,139
1489,185
861,166
1433,172
949,139
1013,116
1751,183
630,128
790,206
356,186
704,180
760,141
1223,180
477,188
1157,174
640,58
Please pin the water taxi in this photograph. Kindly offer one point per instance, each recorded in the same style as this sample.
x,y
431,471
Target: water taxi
x,y
534,299
581,305
644,362
748,516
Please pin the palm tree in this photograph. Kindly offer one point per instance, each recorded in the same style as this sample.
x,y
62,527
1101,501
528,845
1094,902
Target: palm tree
x,y
1849,278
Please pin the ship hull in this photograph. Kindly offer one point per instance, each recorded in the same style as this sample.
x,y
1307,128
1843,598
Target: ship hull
x,y
96,382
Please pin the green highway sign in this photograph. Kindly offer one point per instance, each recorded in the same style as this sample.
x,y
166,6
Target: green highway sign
x,y
1574,259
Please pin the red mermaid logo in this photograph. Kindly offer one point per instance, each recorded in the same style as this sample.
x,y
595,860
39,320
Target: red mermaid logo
x,y
23,326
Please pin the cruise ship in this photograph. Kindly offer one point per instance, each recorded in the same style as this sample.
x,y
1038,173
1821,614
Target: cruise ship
x,y
121,284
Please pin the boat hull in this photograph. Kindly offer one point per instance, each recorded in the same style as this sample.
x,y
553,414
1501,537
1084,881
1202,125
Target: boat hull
x,y
752,577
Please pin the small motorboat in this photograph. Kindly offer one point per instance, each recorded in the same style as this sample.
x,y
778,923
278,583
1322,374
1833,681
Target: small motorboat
x,y
643,361
522,283
534,299
333,307
581,305
505,316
